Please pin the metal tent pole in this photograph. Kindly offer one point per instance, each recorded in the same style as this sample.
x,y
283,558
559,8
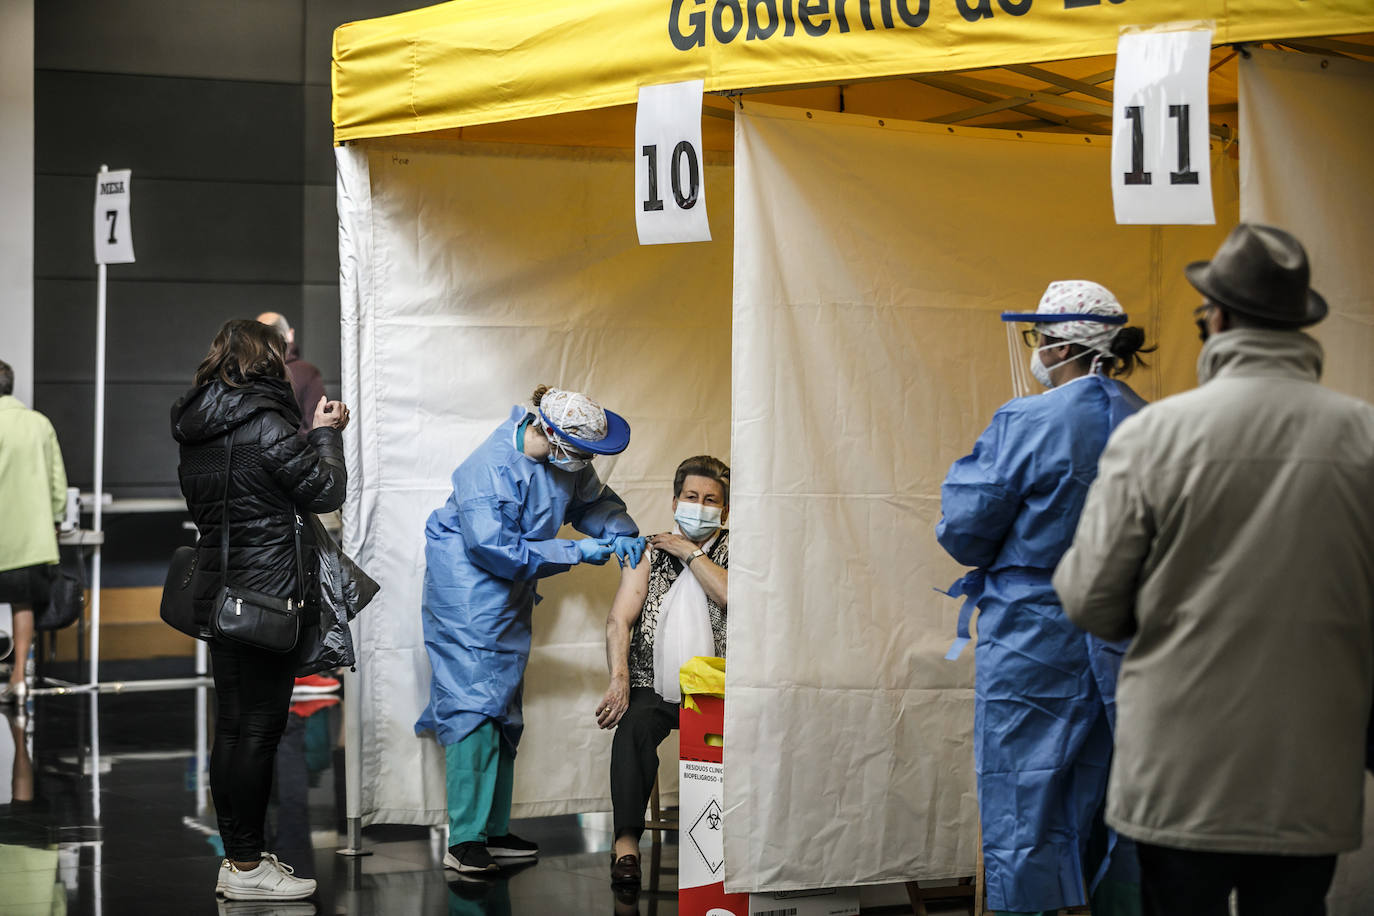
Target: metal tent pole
x,y
97,514
353,770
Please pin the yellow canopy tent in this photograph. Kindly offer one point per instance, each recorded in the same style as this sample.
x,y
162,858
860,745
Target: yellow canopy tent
x,y
476,63
504,83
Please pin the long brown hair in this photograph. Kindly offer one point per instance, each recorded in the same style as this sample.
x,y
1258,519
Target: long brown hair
x,y
243,350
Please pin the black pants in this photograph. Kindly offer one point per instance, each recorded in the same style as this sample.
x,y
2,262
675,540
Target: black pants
x,y
253,699
634,757
1184,882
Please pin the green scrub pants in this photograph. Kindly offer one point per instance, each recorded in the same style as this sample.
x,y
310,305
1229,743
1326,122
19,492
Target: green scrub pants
x,y
481,775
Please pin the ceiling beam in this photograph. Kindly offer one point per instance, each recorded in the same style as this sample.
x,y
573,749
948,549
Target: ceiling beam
x,y
1333,45
1306,48
948,83
1064,82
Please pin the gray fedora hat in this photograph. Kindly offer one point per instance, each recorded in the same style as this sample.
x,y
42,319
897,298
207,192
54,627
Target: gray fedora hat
x,y
1262,273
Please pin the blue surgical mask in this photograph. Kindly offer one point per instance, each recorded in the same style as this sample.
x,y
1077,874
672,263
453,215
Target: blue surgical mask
x,y
697,522
565,462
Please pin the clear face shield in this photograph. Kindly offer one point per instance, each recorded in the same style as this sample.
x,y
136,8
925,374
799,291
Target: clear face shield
x,y
1026,337
568,458
1022,340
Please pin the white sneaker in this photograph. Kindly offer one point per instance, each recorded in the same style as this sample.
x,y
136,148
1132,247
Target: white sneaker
x,y
222,881
271,880
264,908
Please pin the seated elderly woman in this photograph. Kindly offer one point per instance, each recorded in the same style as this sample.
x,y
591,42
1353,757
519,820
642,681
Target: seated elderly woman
x,y
660,618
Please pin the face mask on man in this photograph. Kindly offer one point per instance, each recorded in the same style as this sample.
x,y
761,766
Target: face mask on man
x,y
697,522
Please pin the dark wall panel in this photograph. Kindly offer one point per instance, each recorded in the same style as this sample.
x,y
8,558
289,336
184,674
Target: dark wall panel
x,y
183,230
318,333
156,332
219,130
318,136
245,39
222,110
140,454
321,235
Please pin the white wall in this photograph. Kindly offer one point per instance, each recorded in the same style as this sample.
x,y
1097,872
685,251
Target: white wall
x,y
16,192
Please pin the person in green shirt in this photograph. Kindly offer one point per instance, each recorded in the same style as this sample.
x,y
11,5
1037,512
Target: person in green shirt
x,y
33,496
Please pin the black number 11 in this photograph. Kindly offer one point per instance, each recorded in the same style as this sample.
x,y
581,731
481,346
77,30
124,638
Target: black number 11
x,y
1137,175
1184,175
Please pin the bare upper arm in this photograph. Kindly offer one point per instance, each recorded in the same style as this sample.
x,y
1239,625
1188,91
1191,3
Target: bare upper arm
x,y
629,597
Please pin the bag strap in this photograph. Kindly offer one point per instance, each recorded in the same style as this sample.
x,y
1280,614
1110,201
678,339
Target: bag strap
x,y
224,513
300,571
224,530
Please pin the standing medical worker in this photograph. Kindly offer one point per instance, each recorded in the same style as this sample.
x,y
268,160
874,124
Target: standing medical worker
x,y
1043,714
484,549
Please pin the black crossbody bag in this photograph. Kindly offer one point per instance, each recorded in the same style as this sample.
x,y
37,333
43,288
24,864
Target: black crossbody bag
x,y
251,618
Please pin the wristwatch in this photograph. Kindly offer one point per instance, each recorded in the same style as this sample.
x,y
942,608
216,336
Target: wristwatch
x,y
695,553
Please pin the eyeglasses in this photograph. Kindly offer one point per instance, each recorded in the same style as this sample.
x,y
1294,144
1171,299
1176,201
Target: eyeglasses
x,y
1031,337
1200,319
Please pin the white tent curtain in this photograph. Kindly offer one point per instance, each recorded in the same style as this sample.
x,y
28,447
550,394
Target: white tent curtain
x,y
871,262
468,276
1308,125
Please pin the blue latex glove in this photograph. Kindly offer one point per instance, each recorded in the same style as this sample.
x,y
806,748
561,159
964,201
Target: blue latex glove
x,y
629,549
595,550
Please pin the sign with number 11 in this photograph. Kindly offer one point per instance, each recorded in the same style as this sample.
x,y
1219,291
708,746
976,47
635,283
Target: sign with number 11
x,y
1161,171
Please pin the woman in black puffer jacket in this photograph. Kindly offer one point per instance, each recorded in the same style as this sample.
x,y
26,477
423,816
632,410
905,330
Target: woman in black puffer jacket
x,y
241,390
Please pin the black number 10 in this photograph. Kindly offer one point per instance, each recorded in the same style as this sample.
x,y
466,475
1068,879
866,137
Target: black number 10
x,y
1137,175
113,217
685,201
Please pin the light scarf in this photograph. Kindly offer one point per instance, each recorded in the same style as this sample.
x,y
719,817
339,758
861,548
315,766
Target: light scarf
x,y
683,631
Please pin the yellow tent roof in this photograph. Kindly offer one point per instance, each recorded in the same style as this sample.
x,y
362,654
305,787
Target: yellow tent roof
x,y
483,62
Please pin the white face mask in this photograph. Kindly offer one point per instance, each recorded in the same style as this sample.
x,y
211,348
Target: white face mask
x,y
1042,372
697,522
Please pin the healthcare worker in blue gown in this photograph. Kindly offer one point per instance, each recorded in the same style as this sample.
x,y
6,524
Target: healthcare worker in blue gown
x,y
485,548
1044,697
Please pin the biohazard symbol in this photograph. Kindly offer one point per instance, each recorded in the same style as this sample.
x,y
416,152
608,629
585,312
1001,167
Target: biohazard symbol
x,y
706,835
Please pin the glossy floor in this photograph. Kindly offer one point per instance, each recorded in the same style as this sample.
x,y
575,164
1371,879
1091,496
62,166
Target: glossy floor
x,y
104,809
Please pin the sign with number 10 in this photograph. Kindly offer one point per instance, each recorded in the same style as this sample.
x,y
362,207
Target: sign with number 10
x,y
1161,171
670,190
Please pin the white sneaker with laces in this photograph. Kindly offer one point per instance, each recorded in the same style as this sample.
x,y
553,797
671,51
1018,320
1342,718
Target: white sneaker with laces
x,y
271,880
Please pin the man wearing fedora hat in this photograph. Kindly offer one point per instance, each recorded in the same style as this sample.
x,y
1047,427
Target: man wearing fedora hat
x,y
1230,532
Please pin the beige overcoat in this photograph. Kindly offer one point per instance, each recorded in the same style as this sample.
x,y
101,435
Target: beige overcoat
x,y
1231,532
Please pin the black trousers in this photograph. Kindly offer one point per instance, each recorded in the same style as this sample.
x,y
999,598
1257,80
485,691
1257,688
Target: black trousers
x,y
634,757
1184,882
253,700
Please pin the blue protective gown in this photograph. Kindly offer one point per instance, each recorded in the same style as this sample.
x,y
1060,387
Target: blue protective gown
x,y
484,549
1045,690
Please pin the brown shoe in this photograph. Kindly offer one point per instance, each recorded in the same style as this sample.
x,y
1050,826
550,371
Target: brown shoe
x,y
625,870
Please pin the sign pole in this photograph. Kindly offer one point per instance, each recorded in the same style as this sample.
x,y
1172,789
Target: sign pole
x,y
97,520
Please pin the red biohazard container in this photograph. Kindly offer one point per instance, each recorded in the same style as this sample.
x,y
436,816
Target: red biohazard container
x,y
701,849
